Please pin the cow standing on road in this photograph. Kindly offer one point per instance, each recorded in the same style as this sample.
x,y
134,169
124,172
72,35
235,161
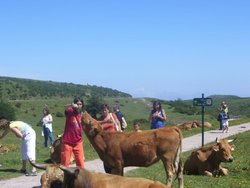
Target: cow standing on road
x,y
122,149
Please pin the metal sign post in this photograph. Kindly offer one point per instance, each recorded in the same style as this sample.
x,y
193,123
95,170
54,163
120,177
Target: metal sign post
x,y
202,102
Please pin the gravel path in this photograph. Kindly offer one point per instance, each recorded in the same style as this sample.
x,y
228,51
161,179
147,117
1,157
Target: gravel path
x,y
189,143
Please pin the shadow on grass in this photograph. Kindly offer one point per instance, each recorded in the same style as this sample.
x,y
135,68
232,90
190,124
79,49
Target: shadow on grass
x,y
11,170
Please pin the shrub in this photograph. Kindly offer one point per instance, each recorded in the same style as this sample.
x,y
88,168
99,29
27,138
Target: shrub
x,y
7,111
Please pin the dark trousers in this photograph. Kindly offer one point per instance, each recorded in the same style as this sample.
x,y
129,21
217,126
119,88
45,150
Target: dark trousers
x,y
221,127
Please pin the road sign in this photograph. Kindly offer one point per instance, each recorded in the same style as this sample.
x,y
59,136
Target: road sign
x,y
202,101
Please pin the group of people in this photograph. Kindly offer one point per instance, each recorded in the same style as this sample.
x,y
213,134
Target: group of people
x,y
72,139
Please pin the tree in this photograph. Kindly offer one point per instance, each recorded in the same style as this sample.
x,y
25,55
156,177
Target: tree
x,y
93,105
7,111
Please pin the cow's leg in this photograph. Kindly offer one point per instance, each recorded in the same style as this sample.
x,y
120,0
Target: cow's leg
x,y
207,173
223,171
118,170
169,171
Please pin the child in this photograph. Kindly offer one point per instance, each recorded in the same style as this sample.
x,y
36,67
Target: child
x,y
136,126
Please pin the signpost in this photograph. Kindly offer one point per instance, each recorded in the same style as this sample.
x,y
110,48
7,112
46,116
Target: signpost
x,y
202,102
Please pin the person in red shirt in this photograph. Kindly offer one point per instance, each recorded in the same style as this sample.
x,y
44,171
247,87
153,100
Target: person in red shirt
x,y
72,141
109,122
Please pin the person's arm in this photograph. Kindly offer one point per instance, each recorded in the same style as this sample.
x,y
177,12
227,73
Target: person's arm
x,y
164,117
50,118
117,122
17,132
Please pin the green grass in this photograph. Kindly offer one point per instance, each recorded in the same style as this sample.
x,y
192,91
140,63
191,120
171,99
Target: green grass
x,y
239,170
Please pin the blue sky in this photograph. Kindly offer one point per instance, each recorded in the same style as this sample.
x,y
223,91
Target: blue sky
x,y
164,49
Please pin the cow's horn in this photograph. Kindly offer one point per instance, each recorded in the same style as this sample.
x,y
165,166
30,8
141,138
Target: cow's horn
x,y
216,140
67,170
231,140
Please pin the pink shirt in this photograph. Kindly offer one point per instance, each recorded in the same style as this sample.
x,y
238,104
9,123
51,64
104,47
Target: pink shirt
x,y
108,126
73,128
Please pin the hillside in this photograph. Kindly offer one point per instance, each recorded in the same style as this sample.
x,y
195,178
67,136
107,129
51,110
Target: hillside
x,y
22,89
26,89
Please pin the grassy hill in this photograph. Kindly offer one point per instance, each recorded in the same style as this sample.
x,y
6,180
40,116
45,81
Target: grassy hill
x,y
20,89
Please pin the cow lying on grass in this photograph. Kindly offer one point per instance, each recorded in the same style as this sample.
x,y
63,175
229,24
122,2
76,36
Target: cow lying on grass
x,y
122,149
206,160
52,177
81,178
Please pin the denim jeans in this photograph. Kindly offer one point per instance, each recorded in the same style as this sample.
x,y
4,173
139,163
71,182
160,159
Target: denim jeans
x,y
47,135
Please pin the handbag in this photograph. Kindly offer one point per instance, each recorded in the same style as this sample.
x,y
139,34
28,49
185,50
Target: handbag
x,y
117,128
124,123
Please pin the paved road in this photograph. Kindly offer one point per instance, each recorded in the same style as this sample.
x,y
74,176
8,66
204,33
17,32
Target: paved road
x,y
96,165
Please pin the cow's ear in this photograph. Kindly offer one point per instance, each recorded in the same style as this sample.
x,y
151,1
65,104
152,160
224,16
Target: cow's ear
x,y
216,148
232,147
77,171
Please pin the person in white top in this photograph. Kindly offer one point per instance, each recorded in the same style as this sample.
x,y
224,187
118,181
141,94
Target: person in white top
x,y
28,135
47,126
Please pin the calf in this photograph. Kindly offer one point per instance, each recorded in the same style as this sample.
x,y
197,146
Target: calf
x,y
206,161
81,178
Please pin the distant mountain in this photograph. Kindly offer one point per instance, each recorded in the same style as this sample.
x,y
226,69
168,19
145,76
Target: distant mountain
x,y
224,97
19,88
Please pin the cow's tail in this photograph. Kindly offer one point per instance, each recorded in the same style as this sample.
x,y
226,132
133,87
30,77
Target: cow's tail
x,y
39,166
178,162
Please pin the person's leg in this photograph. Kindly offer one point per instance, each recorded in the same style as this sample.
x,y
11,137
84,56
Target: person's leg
x,y
221,125
46,135
79,155
66,151
24,156
31,148
23,169
51,138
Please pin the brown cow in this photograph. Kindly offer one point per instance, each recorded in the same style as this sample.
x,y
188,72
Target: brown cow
x,y
206,124
55,151
187,125
52,177
122,149
206,161
81,178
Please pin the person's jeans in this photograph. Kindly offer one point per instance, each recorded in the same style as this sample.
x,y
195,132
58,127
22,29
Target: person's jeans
x,y
47,135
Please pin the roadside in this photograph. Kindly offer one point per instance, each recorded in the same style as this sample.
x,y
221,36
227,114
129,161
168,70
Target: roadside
x,y
189,143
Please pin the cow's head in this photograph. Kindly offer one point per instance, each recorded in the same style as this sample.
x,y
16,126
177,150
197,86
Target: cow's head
x,y
72,177
90,125
223,150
